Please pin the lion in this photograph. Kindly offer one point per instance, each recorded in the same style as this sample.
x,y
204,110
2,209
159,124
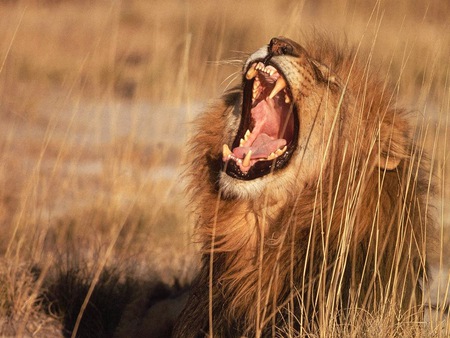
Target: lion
x,y
310,194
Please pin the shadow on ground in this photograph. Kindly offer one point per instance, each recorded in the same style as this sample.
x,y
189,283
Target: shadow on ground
x,y
118,307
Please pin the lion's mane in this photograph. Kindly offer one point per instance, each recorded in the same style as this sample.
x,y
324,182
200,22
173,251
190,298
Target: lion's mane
x,y
353,234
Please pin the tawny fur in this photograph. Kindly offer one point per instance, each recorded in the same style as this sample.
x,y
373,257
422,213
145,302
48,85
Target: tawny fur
x,y
344,225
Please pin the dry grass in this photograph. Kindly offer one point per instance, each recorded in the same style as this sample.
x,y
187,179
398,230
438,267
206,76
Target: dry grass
x,y
95,97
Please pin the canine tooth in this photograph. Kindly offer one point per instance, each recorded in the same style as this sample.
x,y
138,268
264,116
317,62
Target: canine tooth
x,y
281,151
279,85
241,142
247,134
251,73
272,72
226,150
256,85
287,99
255,90
271,156
246,161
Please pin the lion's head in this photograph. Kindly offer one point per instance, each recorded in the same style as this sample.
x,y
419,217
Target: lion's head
x,y
291,111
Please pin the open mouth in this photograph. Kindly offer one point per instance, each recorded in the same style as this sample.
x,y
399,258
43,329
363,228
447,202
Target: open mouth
x,y
268,131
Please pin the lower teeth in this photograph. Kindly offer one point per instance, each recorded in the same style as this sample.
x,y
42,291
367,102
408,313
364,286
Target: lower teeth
x,y
227,153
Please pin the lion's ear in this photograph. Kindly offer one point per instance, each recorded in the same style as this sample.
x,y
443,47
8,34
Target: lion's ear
x,y
324,73
388,162
392,145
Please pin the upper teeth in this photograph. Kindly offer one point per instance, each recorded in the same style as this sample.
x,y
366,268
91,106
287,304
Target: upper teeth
x,y
256,85
286,97
247,134
245,139
279,84
251,73
260,66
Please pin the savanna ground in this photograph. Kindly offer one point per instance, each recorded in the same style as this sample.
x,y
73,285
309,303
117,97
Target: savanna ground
x,y
95,103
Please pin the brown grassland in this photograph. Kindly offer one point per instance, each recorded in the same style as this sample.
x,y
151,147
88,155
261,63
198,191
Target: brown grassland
x,y
95,103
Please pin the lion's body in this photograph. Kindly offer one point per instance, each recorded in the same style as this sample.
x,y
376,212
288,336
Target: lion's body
x,y
344,225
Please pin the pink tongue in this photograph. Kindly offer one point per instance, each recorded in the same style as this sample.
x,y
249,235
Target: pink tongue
x,y
266,130
262,147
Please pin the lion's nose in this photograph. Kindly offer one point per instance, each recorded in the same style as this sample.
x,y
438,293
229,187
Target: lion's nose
x,y
278,46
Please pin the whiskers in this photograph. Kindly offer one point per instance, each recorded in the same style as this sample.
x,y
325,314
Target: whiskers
x,y
237,62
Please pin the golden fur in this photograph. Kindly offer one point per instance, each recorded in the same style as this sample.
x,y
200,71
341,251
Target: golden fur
x,y
343,225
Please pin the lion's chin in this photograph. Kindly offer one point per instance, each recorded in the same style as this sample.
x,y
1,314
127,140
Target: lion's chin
x,y
274,184
234,188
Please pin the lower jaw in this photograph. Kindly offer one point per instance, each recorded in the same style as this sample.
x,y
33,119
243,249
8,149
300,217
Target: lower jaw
x,y
242,189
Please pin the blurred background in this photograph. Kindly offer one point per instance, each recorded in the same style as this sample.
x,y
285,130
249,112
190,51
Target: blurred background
x,y
96,99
